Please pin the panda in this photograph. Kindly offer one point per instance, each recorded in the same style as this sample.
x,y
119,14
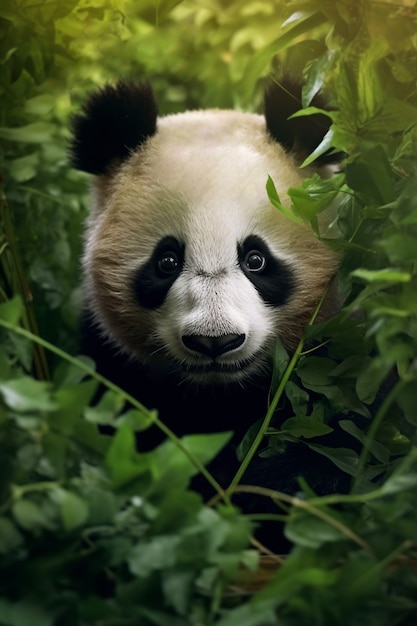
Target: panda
x,y
190,273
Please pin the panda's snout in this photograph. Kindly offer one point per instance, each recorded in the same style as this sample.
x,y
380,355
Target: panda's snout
x,y
212,346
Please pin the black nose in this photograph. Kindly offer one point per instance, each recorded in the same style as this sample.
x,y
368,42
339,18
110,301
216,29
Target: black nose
x,y
212,346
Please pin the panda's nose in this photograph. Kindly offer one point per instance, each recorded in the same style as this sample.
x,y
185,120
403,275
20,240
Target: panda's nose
x,y
212,346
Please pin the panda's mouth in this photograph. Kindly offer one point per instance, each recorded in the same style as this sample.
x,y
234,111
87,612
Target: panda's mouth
x,y
214,367
215,370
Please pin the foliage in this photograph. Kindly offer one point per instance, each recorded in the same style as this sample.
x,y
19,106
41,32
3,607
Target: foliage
x,y
91,532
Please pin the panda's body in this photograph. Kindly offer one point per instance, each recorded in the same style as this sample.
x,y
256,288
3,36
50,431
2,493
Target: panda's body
x,y
190,272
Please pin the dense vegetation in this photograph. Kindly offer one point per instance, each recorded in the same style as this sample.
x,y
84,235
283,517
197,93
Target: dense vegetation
x,y
90,531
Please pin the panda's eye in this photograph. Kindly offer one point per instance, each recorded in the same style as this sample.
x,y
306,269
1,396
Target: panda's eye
x,y
168,264
255,261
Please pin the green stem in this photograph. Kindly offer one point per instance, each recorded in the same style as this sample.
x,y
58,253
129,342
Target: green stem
x,y
18,491
22,288
275,401
373,429
307,506
126,397
36,192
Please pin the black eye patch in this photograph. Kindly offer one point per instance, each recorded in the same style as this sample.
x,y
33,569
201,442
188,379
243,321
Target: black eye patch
x,y
153,280
272,278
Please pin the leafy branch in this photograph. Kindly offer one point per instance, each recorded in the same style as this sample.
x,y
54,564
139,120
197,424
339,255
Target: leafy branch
x,y
124,396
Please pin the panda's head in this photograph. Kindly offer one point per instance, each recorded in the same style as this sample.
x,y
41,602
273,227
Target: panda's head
x,y
187,264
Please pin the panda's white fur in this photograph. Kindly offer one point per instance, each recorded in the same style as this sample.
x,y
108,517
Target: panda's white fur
x,y
201,179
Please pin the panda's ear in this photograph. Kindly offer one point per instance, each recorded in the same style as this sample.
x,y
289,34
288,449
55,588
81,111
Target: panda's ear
x,y
112,123
300,135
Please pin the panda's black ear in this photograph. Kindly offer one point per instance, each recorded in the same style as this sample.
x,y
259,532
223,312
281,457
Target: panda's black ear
x,y
300,135
112,123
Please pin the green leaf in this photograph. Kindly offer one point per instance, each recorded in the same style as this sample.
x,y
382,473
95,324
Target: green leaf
x,y
397,484
316,371
276,202
298,397
305,427
157,554
407,401
72,508
67,374
26,394
316,76
258,613
369,380
297,574
351,366
10,537
245,445
400,248
344,458
107,408
9,52
205,447
280,362
161,618
172,468
387,275
22,349
40,105
29,515
177,587
89,438
137,420
379,451
122,460
360,577
303,22
24,168
176,510
324,146
12,310
6,370
25,612
370,174
313,196
72,402
311,532
38,132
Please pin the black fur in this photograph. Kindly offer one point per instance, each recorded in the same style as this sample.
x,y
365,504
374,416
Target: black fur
x,y
114,122
301,134
275,282
151,283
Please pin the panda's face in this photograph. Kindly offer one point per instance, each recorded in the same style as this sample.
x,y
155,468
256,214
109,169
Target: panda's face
x,y
188,266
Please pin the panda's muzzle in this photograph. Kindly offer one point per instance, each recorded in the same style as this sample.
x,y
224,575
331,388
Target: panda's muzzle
x,y
213,346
